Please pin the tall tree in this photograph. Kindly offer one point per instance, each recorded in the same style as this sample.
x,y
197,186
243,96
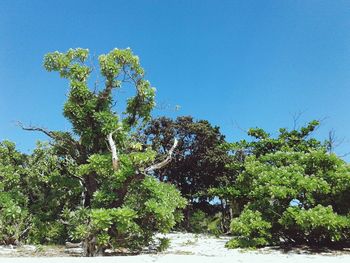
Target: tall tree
x,y
112,166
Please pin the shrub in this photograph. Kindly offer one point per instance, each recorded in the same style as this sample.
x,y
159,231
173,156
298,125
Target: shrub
x,y
318,226
96,227
14,221
250,230
50,232
164,244
317,180
150,206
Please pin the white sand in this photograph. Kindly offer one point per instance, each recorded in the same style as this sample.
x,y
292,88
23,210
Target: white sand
x,y
199,249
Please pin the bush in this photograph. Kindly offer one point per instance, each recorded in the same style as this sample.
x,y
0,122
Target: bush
x,y
317,180
150,206
164,244
14,221
14,215
201,222
42,232
97,227
250,230
318,226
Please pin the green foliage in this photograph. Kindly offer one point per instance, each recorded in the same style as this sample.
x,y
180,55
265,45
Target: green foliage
x,y
201,222
14,220
50,232
149,207
164,244
14,215
198,164
215,224
157,204
276,172
318,226
72,190
121,206
250,230
98,224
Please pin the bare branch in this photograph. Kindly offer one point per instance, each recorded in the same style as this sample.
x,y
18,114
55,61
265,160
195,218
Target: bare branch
x,y
296,116
64,137
32,128
165,161
333,142
236,125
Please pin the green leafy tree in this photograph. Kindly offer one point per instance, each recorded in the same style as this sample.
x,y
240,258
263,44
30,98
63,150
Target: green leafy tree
x,y
103,156
199,161
262,143
293,186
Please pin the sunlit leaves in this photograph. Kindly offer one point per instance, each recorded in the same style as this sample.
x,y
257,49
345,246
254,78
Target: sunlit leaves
x,y
292,167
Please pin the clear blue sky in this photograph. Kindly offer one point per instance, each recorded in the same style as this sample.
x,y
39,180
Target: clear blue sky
x,y
255,63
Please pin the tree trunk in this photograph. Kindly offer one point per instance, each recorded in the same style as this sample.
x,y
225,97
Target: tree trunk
x,y
91,187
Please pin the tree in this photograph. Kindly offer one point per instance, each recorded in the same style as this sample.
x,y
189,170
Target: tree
x,y
199,160
111,166
290,189
262,143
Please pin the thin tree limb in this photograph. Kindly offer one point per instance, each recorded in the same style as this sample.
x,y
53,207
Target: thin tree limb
x,y
57,136
32,128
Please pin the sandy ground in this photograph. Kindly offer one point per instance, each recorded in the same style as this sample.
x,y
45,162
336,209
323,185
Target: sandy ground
x,y
195,249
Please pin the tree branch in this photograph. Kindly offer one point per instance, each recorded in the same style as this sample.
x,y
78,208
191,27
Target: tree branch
x,y
32,128
72,146
165,161
113,148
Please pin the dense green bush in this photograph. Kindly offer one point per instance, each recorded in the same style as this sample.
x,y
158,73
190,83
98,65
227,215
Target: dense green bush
x,y
292,171
46,232
14,221
14,214
149,207
250,230
318,226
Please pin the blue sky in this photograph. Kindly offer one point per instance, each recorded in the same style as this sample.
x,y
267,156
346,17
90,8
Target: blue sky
x,y
254,63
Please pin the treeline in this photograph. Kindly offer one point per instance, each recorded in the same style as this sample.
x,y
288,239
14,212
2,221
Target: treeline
x,y
117,179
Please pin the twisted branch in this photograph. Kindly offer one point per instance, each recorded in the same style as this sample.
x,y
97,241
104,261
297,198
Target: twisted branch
x,y
165,161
